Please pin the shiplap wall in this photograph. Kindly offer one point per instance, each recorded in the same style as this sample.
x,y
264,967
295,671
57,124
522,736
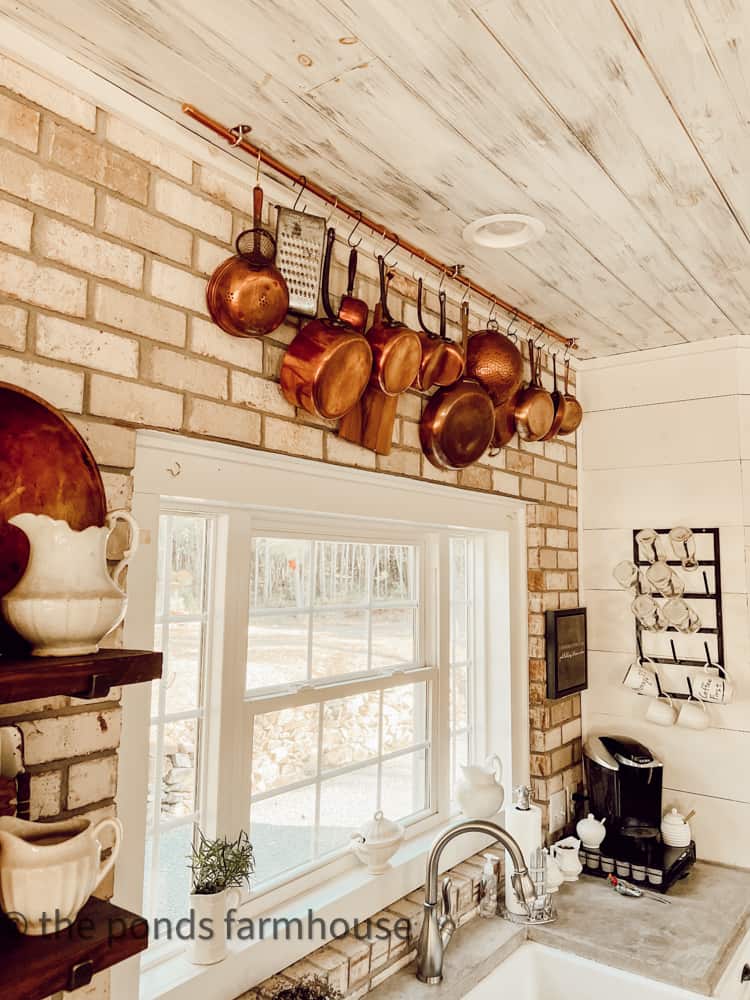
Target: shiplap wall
x,y
666,441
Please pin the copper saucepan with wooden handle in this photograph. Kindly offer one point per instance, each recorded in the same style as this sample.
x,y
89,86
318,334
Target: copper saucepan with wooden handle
x,y
396,349
353,311
457,424
327,366
535,409
561,404
247,296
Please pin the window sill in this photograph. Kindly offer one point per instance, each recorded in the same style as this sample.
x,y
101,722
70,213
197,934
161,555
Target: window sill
x,y
351,896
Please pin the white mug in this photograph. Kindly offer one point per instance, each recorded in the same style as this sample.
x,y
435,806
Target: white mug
x,y
661,711
694,715
642,679
709,687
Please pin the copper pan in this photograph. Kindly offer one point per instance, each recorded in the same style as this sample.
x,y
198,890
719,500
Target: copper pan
x,y
494,360
432,348
505,423
458,422
573,410
561,406
327,366
353,311
247,295
396,349
534,410
443,359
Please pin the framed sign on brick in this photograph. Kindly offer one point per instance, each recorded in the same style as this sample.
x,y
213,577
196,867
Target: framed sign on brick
x,y
567,655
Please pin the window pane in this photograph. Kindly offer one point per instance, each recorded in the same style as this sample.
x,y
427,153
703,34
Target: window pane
x,y
459,634
339,643
404,785
345,803
280,573
404,716
182,666
393,573
460,698
277,650
351,729
151,777
171,898
459,573
156,686
393,638
178,769
341,573
285,747
281,831
188,545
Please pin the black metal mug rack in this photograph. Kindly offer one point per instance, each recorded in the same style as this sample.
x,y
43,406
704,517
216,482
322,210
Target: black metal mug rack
x,y
713,634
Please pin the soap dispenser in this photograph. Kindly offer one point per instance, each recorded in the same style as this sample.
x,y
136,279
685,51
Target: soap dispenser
x,y
524,823
489,887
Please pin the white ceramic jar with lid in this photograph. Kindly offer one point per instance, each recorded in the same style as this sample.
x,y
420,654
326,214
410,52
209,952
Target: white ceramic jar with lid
x,y
376,842
675,829
591,832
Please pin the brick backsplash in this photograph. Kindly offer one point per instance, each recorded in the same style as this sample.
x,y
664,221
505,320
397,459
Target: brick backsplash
x,y
106,238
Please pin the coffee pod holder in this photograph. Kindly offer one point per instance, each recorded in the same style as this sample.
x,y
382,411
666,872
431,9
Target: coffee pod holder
x,y
705,647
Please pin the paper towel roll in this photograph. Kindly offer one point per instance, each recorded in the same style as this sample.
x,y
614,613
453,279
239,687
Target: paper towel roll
x,y
525,826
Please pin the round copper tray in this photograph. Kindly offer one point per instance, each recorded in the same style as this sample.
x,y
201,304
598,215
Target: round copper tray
x,y
45,468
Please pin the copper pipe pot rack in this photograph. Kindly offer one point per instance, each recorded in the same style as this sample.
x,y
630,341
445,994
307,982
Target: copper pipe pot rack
x,y
236,137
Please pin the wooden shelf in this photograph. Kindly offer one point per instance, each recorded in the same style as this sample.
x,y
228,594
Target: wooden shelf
x,y
91,676
36,967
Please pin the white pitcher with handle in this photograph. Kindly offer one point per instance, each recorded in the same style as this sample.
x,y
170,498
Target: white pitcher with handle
x,y
67,600
478,790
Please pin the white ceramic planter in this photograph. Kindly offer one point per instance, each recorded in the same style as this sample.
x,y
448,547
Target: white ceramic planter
x,y
209,945
49,869
66,601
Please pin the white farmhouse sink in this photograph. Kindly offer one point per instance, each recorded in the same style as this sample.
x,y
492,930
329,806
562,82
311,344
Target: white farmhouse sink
x,y
535,972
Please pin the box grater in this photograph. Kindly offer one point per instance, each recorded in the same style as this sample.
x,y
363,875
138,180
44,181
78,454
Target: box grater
x,y
299,255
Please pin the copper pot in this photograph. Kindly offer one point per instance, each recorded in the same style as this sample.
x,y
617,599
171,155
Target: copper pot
x,y
495,361
396,350
561,406
327,366
573,410
505,423
443,360
247,296
458,422
534,409
353,312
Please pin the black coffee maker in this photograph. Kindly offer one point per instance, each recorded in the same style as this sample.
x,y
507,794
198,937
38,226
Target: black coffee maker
x,y
624,783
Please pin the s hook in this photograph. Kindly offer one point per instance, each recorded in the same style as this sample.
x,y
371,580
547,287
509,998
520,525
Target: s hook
x,y
299,195
354,230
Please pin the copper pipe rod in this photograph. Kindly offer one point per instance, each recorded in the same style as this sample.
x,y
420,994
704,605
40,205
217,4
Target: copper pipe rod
x,y
238,141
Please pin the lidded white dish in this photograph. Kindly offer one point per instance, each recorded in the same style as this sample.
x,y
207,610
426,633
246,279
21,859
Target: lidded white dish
x,y
675,830
377,841
591,832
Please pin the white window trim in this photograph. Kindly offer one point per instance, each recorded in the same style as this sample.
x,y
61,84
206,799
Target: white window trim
x,y
182,468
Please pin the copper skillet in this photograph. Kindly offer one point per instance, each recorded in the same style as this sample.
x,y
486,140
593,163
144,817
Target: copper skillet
x,y
535,409
443,360
396,350
457,424
327,366
574,411
353,311
560,401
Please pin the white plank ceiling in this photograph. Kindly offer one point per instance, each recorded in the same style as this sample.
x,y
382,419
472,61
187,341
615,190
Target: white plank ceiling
x,y
622,124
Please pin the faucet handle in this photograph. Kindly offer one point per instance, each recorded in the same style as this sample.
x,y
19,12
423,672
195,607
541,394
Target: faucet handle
x,y
446,893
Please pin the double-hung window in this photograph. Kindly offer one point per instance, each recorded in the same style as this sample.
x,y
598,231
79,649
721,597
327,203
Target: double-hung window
x,y
321,662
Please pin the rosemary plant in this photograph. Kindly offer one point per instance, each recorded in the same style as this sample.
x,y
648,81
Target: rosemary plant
x,y
220,864
309,988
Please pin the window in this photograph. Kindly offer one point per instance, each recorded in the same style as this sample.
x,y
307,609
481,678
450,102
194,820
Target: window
x,y
321,661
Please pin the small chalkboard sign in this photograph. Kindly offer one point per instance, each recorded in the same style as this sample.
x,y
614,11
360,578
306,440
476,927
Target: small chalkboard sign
x,y
567,664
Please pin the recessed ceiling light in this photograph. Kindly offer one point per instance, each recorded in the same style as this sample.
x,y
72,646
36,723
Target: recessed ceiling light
x,y
504,230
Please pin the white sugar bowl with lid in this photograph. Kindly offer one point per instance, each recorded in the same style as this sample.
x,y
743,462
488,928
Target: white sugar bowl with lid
x,y
675,829
376,842
591,832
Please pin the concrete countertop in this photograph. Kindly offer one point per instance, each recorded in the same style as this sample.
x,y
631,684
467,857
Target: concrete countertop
x,y
686,943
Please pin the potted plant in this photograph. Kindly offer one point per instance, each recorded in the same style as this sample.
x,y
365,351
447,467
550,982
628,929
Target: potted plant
x,y
218,868
309,988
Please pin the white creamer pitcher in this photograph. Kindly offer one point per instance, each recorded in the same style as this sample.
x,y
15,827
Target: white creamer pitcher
x,y
478,790
67,601
49,870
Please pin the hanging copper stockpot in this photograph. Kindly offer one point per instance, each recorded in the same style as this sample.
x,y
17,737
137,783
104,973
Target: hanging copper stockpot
x,y
458,422
534,409
494,360
247,295
396,349
561,406
327,366
573,410
353,311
